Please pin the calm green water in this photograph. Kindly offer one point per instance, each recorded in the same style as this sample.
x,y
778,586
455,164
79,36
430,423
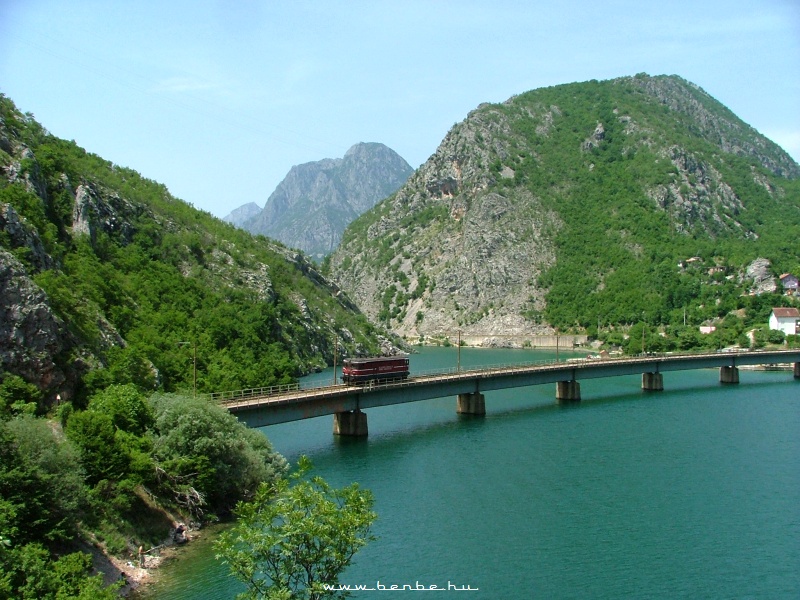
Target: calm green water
x,y
693,492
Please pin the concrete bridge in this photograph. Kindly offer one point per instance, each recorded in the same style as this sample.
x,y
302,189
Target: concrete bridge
x,y
258,408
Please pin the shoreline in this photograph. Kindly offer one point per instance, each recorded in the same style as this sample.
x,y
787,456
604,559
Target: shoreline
x,y
160,568
137,577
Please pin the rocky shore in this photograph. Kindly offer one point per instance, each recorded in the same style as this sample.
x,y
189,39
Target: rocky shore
x,y
137,571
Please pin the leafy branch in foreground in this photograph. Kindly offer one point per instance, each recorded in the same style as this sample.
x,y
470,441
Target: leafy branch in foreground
x,y
297,536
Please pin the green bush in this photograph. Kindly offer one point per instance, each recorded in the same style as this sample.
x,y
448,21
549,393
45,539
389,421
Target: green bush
x,y
208,459
42,495
18,396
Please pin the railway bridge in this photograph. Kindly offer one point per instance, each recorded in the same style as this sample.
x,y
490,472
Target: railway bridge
x,y
347,402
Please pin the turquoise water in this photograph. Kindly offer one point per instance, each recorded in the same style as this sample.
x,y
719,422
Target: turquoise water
x,y
692,492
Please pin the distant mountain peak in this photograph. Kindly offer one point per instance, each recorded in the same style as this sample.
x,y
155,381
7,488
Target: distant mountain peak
x,y
240,215
314,203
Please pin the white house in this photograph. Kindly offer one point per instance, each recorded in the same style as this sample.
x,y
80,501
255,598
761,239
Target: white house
x,y
786,320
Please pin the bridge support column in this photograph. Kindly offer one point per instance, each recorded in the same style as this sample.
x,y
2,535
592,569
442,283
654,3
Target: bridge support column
x,y
471,404
351,422
568,391
653,382
797,370
728,375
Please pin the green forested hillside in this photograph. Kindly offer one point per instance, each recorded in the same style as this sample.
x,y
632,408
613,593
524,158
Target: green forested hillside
x,y
618,251
109,289
137,279
639,200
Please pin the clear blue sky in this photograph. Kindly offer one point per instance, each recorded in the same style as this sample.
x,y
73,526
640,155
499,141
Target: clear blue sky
x,y
218,99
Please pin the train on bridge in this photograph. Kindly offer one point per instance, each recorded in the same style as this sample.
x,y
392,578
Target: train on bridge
x,y
383,368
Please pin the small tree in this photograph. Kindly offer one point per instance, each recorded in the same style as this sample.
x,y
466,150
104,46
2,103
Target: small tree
x,y
297,536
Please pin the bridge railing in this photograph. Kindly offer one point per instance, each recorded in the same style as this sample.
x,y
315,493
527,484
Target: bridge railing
x,y
270,391
277,390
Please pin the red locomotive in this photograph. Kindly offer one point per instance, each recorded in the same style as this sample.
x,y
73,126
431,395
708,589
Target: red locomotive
x,y
358,370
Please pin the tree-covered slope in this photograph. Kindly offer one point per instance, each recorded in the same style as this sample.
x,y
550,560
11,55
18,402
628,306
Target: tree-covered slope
x,y
576,205
107,278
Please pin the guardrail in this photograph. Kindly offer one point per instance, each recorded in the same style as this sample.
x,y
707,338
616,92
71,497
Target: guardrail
x,y
272,390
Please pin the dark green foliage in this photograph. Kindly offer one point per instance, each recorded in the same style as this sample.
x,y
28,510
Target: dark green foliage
x,y
42,498
127,407
30,573
208,460
121,454
17,396
127,365
189,453
41,483
101,455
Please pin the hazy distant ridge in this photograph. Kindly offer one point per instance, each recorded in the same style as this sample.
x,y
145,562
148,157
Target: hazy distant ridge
x,y
316,201
240,215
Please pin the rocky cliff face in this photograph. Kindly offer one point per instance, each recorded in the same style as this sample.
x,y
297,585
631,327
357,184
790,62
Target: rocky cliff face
x,y
314,203
448,252
561,195
31,336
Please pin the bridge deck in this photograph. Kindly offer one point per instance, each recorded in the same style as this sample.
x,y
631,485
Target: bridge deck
x,y
294,404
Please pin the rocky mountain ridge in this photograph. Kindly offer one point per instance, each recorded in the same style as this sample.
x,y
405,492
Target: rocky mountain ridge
x,y
542,211
314,203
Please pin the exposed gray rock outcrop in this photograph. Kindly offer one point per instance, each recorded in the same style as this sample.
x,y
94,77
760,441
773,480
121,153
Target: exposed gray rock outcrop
x,y
314,203
31,336
759,278
21,235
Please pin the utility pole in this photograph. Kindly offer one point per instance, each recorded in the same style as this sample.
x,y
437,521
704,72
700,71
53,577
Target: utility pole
x,y
335,350
458,370
557,359
644,326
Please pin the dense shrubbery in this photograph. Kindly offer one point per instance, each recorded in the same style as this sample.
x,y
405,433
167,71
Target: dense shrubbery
x,y
203,453
120,457
30,573
42,499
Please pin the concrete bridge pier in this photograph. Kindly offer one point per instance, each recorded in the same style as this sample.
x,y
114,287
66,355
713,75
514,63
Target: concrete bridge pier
x,y
797,370
568,391
351,422
471,404
653,382
728,375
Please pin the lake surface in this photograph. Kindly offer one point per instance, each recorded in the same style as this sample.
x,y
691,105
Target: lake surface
x,y
692,492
